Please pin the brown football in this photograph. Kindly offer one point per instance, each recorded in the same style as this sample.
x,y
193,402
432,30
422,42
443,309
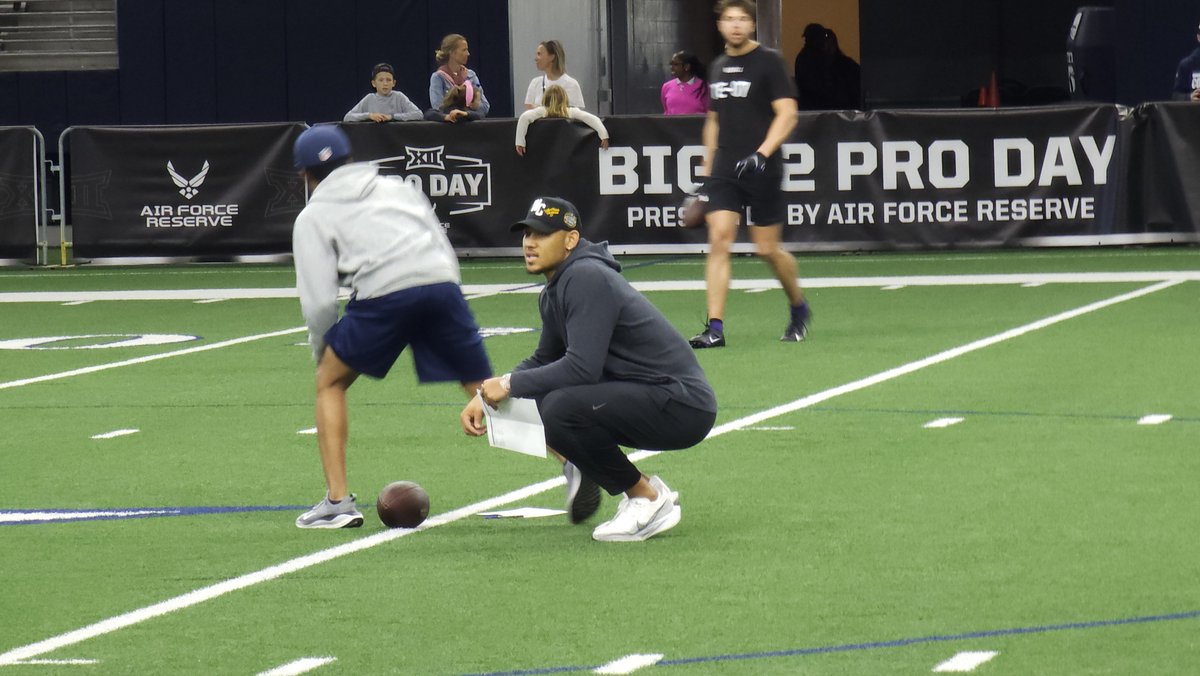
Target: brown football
x,y
402,504
692,211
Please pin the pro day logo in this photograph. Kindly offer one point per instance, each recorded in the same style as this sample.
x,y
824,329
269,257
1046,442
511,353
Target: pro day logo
x,y
188,215
458,183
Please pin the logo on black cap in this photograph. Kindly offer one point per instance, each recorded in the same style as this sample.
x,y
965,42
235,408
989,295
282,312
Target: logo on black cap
x,y
548,214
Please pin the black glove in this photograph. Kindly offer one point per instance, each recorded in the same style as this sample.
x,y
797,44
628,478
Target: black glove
x,y
754,164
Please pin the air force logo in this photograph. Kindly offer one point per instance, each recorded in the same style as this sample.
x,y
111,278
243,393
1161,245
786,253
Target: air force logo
x,y
188,187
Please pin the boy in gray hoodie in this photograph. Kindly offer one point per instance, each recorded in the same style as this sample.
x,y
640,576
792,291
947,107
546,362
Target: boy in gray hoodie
x,y
380,237
609,371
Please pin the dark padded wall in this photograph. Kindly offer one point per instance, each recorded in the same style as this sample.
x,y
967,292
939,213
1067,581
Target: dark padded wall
x,y
931,53
1152,38
227,61
934,52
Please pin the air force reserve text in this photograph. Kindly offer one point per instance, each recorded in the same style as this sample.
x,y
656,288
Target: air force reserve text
x,y
189,215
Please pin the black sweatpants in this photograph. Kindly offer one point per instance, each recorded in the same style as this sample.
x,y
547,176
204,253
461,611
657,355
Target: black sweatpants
x,y
588,423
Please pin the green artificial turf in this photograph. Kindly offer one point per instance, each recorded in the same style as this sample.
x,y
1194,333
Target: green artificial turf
x,y
839,537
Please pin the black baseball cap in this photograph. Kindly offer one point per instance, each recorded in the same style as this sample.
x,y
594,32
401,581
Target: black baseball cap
x,y
548,214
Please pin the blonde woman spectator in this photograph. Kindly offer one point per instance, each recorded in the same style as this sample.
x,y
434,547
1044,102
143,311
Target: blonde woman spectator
x,y
554,104
453,72
551,59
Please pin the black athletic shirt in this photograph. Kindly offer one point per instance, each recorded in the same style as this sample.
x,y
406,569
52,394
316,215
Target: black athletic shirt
x,y
1187,75
741,89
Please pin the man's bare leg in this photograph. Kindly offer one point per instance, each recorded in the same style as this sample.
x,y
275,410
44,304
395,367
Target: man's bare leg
x,y
722,231
766,245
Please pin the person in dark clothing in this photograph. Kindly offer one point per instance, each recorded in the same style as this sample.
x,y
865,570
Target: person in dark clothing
x,y
1187,74
810,69
751,115
826,79
609,371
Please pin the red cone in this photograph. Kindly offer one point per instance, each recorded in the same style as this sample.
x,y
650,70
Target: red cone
x,y
993,92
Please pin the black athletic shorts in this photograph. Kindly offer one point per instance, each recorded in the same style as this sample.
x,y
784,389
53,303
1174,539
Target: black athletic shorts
x,y
761,192
435,320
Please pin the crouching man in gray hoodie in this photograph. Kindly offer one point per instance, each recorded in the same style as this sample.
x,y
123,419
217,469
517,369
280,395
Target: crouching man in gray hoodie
x,y
380,237
609,371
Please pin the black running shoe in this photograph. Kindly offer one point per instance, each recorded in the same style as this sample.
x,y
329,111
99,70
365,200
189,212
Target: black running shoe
x,y
708,338
583,495
797,330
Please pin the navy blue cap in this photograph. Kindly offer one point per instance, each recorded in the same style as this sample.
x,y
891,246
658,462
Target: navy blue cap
x,y
320,145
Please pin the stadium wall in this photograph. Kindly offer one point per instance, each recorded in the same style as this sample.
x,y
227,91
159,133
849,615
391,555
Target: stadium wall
x,y
228,61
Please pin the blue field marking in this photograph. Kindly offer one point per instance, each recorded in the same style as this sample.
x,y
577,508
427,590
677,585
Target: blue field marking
x,y
875,645
26,517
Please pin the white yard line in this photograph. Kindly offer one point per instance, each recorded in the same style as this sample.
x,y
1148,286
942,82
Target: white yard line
x,y
300,666
485,290
941,422
75,662
629,664
148,358
115,433
203,594
965,661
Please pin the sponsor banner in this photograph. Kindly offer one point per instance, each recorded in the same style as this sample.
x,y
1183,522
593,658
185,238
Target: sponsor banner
x,y
1165,169
898,179
480,186
183,191
19,177
881,180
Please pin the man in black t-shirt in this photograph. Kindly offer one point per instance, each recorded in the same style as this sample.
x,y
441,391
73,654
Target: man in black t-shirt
x,y
752,112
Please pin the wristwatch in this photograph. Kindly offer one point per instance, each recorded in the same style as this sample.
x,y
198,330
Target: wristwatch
x,y
506,382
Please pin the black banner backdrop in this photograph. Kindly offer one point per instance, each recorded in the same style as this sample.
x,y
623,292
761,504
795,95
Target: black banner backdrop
x,y
183,191
1067,175
19,176
1165,169
910,179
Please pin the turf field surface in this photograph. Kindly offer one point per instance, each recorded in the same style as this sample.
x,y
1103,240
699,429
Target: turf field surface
x,y
826,529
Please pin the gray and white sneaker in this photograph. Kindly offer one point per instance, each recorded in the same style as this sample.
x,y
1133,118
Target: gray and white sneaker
x,y
583,495
661,486
326,514
639,518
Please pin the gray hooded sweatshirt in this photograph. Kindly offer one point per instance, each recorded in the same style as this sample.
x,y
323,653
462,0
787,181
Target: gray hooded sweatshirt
x,y
597,328
375,234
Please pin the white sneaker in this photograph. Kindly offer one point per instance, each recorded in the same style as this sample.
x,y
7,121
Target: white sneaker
x,y
661,486
639,518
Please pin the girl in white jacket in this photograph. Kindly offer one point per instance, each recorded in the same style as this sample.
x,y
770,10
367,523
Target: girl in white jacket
x,y
554,104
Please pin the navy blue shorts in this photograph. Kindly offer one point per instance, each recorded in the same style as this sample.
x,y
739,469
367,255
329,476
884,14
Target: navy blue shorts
x,y
434,320
761,192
